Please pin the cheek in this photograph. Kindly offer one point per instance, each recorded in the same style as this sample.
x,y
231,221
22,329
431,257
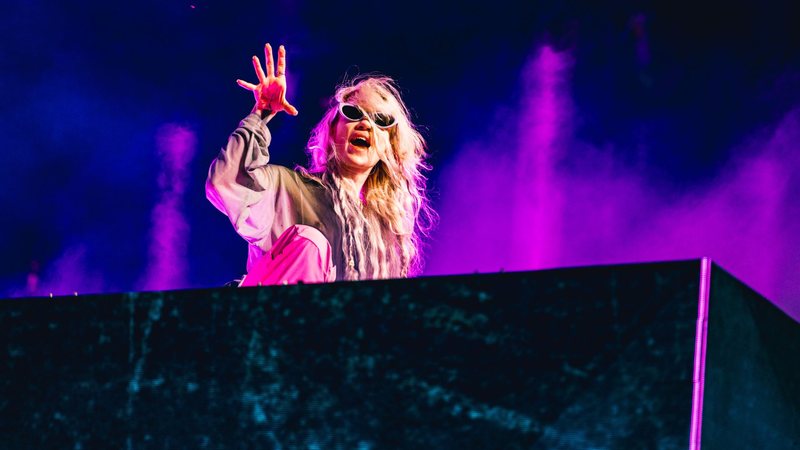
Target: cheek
x,y
339,134
383,145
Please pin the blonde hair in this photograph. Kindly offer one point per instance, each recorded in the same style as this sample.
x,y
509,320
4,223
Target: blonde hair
x,y
381,236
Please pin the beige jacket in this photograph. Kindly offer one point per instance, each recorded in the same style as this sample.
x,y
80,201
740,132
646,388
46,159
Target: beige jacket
x,y
261,199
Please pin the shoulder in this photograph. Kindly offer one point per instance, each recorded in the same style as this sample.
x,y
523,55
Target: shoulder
x,y
296,178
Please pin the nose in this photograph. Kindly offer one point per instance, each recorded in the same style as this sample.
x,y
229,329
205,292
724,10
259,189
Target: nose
x,y
364,124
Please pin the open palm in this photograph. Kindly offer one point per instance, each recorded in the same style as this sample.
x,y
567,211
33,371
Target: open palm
x,y
270,92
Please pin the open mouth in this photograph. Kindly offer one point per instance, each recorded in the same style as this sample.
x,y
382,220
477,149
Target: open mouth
x,y
359,142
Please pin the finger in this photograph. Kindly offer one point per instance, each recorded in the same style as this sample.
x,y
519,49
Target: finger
x,y
281,61
270,61
246,85
289,108
259,71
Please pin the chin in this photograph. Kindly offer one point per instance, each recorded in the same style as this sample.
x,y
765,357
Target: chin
x,y
361,157
362,166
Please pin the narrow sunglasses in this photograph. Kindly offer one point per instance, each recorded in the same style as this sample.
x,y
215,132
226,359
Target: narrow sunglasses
x,y
354,113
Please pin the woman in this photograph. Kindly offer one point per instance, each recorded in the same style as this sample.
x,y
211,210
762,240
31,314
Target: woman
x,y
359,211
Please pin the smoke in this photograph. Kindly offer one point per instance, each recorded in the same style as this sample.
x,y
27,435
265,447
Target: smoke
x,y
73,271
537,197
502,203
169,232
67,274
530,196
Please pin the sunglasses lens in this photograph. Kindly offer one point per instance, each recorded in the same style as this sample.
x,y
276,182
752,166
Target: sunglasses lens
x,y
383,120
351,112
354,113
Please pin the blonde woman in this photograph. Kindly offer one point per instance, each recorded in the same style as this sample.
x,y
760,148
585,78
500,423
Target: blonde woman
x,y
359,211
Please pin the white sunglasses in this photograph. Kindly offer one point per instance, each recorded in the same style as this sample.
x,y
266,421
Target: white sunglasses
x,y
354,113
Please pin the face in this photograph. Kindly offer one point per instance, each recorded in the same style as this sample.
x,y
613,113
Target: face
x,y
359,144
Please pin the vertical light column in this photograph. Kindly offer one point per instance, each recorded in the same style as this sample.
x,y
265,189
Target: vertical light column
x,y
699,372
169,233
537,199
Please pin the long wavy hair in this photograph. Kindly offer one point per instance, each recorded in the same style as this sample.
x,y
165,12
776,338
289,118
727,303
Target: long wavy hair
x,y
382,235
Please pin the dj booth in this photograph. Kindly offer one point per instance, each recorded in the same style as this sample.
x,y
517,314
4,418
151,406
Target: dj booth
x,y
669,355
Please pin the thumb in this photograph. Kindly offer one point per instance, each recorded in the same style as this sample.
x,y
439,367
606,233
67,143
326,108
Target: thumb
x,y
289,108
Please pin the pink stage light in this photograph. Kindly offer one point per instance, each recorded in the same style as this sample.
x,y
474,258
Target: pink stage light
x,y
169,233
529,195
538,202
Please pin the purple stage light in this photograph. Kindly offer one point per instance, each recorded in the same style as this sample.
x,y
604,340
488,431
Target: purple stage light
x,y
68,274
530,196
501,205
538,200
169,233
699,370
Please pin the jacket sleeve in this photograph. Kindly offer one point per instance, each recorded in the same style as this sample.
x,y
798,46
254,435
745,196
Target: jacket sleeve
x,y
242,184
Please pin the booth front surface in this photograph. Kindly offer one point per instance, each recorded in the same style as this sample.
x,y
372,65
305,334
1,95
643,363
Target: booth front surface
x,y
664,355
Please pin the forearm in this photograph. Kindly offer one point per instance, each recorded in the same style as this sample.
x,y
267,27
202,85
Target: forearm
x,y
238,179
246,150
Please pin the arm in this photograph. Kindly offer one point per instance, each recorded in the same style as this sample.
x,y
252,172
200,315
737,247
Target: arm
x,y
240,182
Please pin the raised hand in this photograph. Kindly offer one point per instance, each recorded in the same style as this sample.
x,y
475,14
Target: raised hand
x,y
270,92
